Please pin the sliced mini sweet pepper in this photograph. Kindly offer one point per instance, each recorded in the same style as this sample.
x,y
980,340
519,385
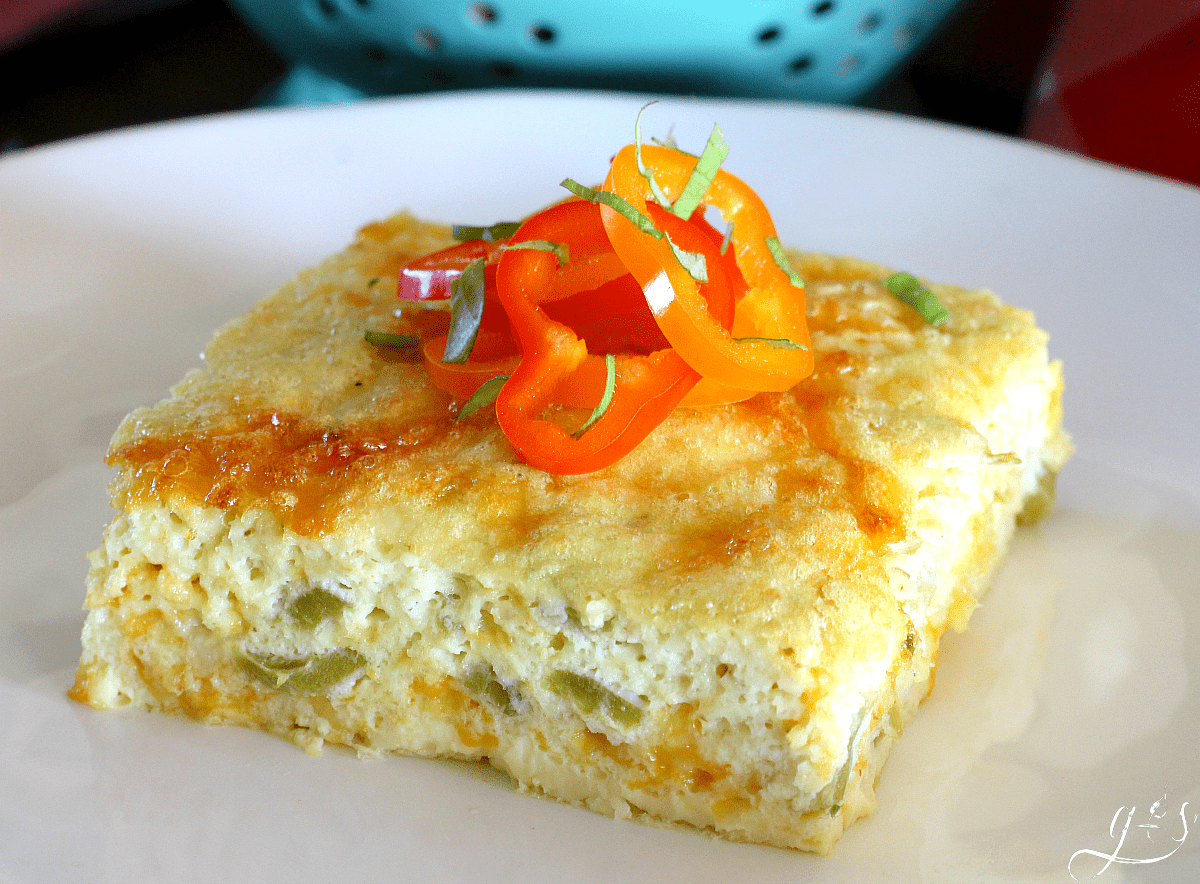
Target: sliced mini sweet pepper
x,y
644,388
609,312
767,348
430,278
494,354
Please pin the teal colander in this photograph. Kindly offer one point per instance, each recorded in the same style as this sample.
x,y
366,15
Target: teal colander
x,y
817,50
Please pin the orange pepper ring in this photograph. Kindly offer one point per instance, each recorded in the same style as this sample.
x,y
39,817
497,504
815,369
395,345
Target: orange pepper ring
x,y
772,307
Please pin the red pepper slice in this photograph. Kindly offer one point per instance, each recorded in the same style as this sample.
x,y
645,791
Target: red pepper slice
x,y
613,318
429,278
648,387
493,355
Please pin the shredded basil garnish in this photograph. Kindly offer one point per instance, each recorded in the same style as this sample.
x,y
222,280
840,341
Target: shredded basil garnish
x,y
387,339
728,238
782,262
693,262
908,289
670,142
616,203
702,175
466,312
610,385
499,230
558,249
663,199
485,395
777,343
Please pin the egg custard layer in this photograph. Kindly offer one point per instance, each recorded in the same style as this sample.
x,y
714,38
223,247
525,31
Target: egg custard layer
x,y
726,629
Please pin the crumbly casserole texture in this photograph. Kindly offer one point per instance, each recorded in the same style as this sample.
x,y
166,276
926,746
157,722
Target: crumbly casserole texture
x,y
727,629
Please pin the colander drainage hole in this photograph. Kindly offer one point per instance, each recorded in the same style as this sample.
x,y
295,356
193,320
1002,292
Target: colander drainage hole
x,y
428,39
770,34
870,23
327,8
850,64
543,34
823,8
377,53
905,34
484,13
801,64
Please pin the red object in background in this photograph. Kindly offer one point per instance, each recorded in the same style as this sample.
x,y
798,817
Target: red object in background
x,y
1121,83
22,19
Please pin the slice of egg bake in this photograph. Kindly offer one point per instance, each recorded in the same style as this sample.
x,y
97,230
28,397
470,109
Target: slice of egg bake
x,y
726,628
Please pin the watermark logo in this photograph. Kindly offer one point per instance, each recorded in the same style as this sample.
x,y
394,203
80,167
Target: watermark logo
x,y
1160,829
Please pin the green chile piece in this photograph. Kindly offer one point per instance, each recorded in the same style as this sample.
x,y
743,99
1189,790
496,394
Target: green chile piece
x,y
1041,501
312,608
588,695
843,777
483,683
301,675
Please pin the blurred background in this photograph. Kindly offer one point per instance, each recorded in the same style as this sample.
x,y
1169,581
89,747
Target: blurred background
x,y
1118,80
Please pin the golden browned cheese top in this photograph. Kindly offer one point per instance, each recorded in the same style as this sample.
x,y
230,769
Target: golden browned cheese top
x,y
762,514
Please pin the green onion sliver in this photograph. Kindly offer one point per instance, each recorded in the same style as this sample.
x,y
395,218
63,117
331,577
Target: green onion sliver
x,y
616,203
908,289
558,249
702,175
777,343
485,395
782,262
499,230
466,312
387,339
610,385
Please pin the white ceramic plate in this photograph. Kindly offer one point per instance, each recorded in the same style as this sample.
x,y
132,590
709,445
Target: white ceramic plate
x,y
1066,712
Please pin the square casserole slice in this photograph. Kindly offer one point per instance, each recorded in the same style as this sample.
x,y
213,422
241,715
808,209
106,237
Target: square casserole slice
x,y
726,629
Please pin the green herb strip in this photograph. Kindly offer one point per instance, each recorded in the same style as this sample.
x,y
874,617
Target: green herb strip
x,y
777,343
662,198
908,289
693,262
671,143
616,203
610,386
702,175
485,395
466,312
387,339
495,232
728,238
782,262
558,249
